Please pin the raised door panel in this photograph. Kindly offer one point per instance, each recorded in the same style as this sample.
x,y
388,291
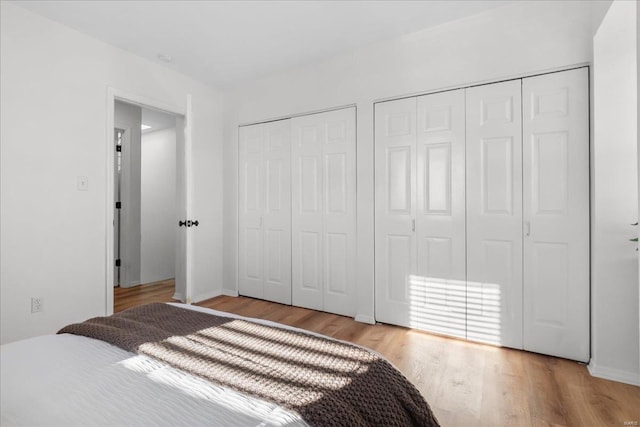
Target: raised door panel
x,y
494,213
277,212
307,135
556,214
251,206
437,287
339,211
395,209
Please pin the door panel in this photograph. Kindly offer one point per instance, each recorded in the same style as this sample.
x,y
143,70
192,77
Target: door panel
x,y
437,286
395,176
250,242
494,213
556,211
277,212
264,261
324,211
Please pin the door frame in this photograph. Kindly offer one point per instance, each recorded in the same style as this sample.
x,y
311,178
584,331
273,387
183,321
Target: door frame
x,y
114,94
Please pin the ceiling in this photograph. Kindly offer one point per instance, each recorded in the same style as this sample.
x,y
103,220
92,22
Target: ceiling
x,y
224,43
157,120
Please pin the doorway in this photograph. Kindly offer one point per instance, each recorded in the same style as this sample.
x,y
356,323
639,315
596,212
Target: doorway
x,y
147,254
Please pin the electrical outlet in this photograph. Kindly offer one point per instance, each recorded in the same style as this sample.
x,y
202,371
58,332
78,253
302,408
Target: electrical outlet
x,y
36,305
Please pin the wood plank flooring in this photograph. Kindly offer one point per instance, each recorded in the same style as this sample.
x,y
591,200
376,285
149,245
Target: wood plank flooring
x,y
124,298
465,383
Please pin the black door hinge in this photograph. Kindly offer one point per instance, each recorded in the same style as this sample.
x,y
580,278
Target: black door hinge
x,y
117,263
118,205
118,148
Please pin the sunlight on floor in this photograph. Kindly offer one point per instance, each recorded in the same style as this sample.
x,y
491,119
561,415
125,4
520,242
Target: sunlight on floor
x,y
455,307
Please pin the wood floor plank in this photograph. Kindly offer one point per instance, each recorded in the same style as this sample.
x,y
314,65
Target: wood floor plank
x,y
465,383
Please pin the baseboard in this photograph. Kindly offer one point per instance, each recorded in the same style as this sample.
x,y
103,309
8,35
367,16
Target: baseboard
x,y
206,296
230,293
131,285
613,374
178,296
365,319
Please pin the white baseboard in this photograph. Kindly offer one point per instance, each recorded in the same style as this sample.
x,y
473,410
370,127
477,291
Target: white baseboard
x,y
206,295
230,293
613,374
178,296
365,319
131,285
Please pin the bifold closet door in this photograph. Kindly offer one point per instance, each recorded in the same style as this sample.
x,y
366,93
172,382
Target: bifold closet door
x,y
494,213
438,290
556,214
395,200
420,220
264,241
323,156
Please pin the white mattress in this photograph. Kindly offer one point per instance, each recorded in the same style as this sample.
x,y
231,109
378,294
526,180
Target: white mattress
x,y
69,380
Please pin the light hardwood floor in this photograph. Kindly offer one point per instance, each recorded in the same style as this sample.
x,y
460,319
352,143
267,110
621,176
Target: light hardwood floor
x,y
124,298
466,384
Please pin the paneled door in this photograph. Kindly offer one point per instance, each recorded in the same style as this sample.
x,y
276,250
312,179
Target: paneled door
x,y
395,210
556,214
420,220
494,213
264,241
437,289
323,156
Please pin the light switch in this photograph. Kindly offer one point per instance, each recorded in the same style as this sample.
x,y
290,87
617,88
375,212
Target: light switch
x,y
83,183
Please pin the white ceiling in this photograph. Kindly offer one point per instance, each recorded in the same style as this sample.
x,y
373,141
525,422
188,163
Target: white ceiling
x,y
224,43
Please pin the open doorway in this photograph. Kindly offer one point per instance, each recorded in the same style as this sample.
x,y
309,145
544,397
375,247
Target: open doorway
x,y
147,250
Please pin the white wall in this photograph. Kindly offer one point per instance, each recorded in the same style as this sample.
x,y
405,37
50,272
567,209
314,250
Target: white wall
x,y
507,42
53,100
158,206
614,276
128,118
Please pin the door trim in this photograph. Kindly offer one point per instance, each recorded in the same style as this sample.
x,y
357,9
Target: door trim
x,y
114,94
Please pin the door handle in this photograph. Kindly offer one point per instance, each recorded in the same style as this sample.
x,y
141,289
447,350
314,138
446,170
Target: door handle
x,y
413,225
527,228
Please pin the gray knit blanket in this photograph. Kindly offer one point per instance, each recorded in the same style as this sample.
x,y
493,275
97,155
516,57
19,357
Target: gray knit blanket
x,y
328,382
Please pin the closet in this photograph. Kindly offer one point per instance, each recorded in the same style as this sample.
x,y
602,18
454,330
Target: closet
x,y
297,211
420,213
482,213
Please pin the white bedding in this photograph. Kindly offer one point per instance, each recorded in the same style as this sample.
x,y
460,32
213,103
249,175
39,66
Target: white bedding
x,y
69,380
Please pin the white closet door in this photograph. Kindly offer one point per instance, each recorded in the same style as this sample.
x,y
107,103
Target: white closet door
x,y
556,214
276,222
437,290
494,214
251,209
324,211
264,248
395,177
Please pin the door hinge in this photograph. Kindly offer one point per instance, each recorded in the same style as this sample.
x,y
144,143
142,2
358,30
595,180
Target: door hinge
x,y
118,148
117,263
118,205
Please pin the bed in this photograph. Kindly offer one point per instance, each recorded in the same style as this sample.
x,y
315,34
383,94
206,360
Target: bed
x,y
173,364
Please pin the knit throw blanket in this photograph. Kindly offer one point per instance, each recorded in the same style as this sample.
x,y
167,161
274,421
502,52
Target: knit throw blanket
x,y
329,383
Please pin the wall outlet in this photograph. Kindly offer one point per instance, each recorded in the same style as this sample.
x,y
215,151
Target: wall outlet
x,y
36,305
